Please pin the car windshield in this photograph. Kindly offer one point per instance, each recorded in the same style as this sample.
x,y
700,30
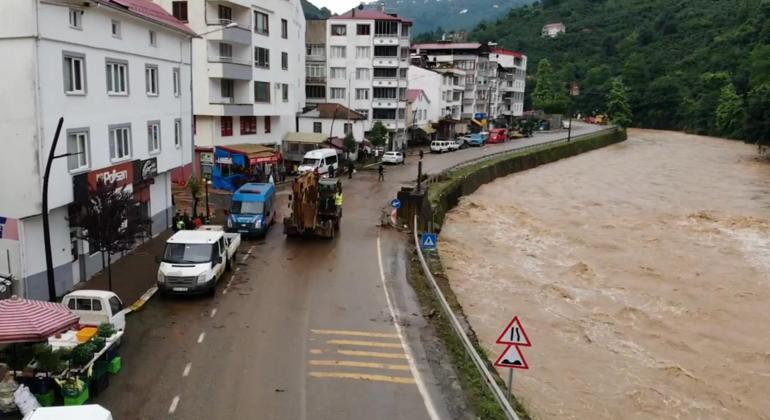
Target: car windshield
x,y
187,253
247,207
310,162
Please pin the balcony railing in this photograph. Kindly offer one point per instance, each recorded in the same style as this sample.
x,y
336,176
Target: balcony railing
x,y
316,79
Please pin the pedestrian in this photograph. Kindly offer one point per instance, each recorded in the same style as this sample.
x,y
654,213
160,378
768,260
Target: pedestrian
x,y
421,154
381,172
331,171
351,169
186,222
271,179
198,221
175,221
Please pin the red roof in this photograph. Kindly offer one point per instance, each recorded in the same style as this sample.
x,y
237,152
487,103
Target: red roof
x,y
23,320
448,46
414,94
151,11
503,51
369,14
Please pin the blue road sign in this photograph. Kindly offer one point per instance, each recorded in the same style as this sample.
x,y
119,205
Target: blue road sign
x,y
396,203
429,241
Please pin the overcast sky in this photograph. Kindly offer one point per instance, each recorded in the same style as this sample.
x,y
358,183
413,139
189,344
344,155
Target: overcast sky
x,y
336,6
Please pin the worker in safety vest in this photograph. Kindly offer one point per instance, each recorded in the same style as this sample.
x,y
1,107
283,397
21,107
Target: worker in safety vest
x,y
338,199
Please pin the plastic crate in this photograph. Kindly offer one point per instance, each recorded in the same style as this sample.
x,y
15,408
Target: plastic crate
x,y
86,334
115,365
78,399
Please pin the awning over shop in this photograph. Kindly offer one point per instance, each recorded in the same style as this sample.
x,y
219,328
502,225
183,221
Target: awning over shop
x,y
255,153
428,129
309,138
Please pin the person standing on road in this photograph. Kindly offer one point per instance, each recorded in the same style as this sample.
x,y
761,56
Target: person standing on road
x,y
421,154
381,172
331,171
351,168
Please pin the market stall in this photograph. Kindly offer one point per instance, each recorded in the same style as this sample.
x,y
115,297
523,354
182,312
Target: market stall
x,y
238,164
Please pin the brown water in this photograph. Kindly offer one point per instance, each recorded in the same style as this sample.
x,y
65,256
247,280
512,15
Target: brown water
x,y
641,273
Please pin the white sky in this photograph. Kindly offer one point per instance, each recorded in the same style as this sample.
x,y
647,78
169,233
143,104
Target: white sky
x,y
336,6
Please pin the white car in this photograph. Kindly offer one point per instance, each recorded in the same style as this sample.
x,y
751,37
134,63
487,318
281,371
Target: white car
x,y
440,146
393,157
95,307
456,144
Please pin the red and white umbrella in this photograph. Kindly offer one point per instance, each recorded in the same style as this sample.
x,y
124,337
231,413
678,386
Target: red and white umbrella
x,y
23,320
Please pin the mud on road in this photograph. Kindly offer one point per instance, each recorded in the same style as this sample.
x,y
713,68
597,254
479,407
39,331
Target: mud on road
x,y
641,273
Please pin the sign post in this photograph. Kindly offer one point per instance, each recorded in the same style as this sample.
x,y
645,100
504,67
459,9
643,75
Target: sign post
x,y
513,336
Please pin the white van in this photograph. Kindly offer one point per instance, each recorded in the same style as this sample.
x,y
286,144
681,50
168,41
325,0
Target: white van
x,y
75,412
321,160
95,307
439,146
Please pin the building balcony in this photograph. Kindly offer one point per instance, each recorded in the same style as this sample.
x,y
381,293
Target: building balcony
x,y
389,82
226,68
236,35
389,62
317,57
316,79
230,108
388,103
386,39
389,124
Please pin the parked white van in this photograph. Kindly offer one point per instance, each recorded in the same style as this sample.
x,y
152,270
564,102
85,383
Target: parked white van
x,y
321,160
440,146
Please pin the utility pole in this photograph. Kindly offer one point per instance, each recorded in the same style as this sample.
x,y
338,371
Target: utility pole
x,y
46,225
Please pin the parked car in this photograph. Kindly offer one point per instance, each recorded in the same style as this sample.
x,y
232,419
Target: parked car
x,y
477,139
393,157
96,307
457,144
515,134
498,135
439,146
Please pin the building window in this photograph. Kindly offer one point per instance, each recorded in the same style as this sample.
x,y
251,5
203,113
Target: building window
x,y
315,50
225,14
315,71
405,30
76,19
363,29
177,133
338,52
261,92
315,92
261,57
385,51
153,39
179,10
284,29
248,125
362,94
285,61
225,52
337,73
339,30
363,52
385,73
115,28
117,78
226,126
348,128
338,93
227,89
75,74
176,80
285,92
268,124
261,23
362,74
317,127
151,79
120,142
77,147
364,112
153,137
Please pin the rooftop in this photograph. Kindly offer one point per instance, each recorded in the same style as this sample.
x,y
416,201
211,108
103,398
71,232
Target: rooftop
x,y
414,94
151,11
370,14
503,51
330,111
448,46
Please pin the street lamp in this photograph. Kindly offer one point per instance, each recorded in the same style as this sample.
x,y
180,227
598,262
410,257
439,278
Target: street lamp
x,y
206,188
574,90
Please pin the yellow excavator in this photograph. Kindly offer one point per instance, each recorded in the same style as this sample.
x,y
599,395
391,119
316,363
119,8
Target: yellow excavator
x,y
314,211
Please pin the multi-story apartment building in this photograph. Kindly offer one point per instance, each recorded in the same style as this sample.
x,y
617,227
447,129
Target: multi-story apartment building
x,y
367,64
512,73
248,69
118,73
444,86
315,62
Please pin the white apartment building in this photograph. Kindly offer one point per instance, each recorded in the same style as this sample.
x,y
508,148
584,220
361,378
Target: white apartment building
x,y
512,73
118,72
248,78
444,86
367,56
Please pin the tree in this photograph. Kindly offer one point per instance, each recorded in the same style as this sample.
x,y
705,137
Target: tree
x,y
758,115
549,94
729,113
379,134
349,145
195,190
701,106
111,221
759,65
617,104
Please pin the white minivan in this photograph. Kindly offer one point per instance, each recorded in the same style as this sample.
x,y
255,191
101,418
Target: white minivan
x,y
321,160
439,146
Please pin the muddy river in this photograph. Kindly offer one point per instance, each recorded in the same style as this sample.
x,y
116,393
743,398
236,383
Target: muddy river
x,y
641,273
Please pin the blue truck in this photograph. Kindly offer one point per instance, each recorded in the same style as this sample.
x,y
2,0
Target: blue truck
x,y
252,211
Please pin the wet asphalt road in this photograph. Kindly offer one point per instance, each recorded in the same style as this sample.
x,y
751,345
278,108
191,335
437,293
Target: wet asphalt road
x,y
302,329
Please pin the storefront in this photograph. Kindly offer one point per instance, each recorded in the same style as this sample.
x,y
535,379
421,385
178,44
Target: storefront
x,y
238,164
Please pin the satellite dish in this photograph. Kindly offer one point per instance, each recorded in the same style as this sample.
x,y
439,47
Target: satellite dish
x,y
361,6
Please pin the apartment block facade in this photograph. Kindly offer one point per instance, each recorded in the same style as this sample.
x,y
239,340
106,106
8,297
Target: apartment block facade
x,y
118,72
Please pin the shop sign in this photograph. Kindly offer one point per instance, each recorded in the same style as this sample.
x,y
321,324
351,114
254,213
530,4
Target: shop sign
x,y
225,161
119,175
207,158
148,169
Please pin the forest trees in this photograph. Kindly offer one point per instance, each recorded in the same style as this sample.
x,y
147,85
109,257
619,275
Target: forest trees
x,y
550,94
730,115
618,108
758,115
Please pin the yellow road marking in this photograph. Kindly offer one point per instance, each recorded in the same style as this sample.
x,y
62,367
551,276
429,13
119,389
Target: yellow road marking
x,y
316,351
360,376
365,343
372,354
348,363
355,333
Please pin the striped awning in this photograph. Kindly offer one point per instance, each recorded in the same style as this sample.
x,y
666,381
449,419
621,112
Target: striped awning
x,y
23,320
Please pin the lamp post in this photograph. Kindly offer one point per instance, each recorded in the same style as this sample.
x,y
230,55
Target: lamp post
x,y
574,90
206,188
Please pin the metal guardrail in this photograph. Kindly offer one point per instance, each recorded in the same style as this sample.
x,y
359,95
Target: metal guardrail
x,y
500,395
436,177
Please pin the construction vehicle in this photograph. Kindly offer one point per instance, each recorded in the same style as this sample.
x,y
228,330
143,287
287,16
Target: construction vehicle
x,y
313,208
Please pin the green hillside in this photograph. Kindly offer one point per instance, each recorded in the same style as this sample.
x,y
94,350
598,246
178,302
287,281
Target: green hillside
x,y
313,12
680,59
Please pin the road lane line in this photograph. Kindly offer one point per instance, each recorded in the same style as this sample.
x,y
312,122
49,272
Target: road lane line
x,y
364,377
201,337
174,403
187,368
316,351
213,312
372,354
364,343
355,333
429,406
350,363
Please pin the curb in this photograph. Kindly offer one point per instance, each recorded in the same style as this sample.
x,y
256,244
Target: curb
x,y
142,300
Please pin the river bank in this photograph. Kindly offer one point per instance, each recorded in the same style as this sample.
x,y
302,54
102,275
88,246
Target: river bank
x,y
639,270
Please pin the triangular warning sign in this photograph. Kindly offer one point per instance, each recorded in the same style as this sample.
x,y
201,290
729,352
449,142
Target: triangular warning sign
x,y
512,358
514,334
428,241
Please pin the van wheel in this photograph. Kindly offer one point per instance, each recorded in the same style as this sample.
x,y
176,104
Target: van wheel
x,y
229,264
212,290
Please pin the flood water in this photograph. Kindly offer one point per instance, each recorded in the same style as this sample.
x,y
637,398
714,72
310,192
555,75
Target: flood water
x,y
641,273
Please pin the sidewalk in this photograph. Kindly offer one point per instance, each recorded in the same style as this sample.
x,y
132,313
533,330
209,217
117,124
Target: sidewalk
x,y
133,274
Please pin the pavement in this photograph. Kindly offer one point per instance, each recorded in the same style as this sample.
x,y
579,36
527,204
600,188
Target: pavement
x,y
302,328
